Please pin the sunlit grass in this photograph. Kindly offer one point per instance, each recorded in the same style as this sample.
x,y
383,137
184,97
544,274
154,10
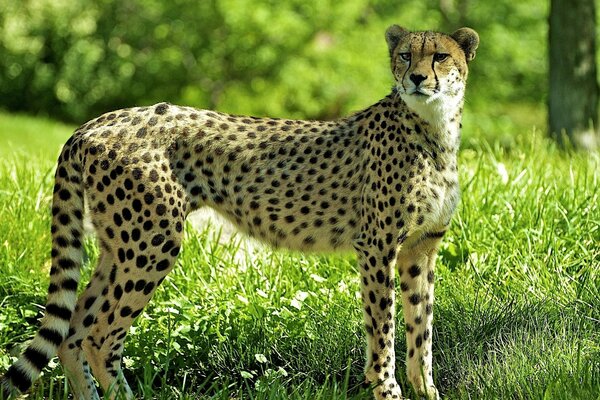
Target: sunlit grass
x,y
31,138
517,289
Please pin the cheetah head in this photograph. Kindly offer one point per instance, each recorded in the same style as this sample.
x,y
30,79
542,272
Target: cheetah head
x,y
430,69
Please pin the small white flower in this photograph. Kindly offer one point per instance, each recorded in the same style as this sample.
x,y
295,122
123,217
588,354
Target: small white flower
x,y
501,168
242,299
296,304
300,295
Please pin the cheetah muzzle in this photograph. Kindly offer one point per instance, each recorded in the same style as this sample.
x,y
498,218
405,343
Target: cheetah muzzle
x,y
382,182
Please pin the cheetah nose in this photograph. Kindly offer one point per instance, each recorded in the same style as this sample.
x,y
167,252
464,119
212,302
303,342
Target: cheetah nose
x,y
417,79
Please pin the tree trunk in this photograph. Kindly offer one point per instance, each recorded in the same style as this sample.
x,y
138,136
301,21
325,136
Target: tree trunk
x,y
573,98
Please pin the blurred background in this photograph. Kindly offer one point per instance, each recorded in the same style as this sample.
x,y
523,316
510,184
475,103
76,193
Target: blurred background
x,y
72,60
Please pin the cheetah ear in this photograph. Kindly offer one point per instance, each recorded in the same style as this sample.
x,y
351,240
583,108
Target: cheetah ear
x,y
468,40
393,35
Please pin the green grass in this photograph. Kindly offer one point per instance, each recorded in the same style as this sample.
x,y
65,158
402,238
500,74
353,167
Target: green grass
x,y
31,137
517,289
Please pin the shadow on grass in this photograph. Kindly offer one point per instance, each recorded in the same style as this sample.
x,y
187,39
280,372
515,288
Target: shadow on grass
x,y
483,349
516,349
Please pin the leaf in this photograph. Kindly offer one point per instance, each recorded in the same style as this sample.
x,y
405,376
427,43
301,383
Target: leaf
x,y
246,374
296,304
260,358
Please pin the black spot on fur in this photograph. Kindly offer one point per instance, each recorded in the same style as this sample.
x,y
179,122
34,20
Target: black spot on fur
x,y
161,109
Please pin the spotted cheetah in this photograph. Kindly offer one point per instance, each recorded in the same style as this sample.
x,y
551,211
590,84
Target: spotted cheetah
x,y
382,182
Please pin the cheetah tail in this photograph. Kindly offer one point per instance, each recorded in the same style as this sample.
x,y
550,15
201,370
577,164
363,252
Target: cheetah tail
x,y
67,254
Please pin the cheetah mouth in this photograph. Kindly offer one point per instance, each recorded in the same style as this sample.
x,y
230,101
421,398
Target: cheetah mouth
x,y
426,96
420,95
421,92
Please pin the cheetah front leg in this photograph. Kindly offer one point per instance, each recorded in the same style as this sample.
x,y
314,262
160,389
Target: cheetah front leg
x,y
416,268
378,296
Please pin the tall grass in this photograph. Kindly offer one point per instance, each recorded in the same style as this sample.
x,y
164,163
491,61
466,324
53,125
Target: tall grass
x,y
518,290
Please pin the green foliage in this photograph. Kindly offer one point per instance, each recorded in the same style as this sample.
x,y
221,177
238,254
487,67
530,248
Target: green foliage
x,y
517,291
76,59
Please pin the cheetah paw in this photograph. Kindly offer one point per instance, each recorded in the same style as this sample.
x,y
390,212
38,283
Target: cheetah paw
x,y
387,390
431,394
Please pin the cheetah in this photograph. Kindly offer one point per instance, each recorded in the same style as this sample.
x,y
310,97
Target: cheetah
x,y
382,182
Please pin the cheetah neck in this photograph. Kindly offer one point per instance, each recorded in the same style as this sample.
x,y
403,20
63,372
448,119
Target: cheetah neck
x,y
438,119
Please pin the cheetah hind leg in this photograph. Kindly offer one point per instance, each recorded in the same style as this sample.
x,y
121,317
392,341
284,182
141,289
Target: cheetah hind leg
x,y
70,352
416,269
127,295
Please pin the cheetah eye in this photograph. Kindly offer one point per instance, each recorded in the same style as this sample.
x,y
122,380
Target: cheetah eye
x,y
405,56
439,57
